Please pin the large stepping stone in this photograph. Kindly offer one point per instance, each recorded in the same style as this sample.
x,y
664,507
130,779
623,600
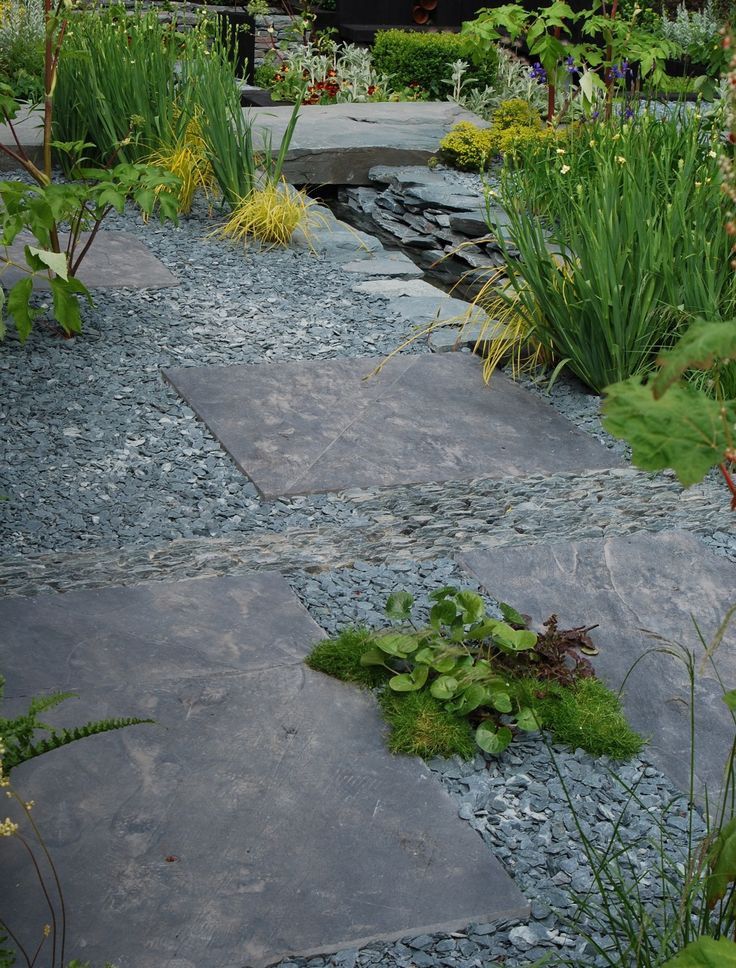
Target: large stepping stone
x,y
309,427
338,144
261,817
115,260
625,585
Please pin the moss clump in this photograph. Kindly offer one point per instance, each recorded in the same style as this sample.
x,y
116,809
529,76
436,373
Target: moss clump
x,y
340,658
420,726
585,714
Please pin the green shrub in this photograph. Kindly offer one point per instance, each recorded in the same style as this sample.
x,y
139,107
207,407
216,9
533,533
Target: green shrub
x,y
469,679
516,130
516,113
468,147
125,85
426,59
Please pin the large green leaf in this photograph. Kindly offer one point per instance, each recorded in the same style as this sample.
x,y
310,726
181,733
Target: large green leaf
x,y
56,261
501,701
399,605
701,346
66,304
471,605
705,953
684,429
475,695
528,720
722,864
409,681
19,308
443,613
492,740
514,640
396,643
444,687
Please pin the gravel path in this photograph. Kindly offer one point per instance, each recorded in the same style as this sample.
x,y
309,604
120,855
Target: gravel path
x,y
109,477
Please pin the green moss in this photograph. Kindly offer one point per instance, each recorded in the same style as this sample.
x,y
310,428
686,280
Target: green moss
x,y
586,715
420,726
340,657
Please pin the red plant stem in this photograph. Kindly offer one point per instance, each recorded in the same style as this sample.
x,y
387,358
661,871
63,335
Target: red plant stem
x,y
730,483
609,69
551,88
73,269
20,156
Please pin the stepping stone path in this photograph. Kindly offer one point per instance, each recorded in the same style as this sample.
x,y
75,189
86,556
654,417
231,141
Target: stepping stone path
x,y
642,592
115,260
301,428
260,817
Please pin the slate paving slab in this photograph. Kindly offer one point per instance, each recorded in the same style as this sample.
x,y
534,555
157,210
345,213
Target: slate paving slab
x,y
339,144
115,260
310,427
262,816
654,582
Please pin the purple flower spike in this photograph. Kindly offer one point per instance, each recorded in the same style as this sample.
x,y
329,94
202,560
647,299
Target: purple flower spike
x,y
538,73
570,66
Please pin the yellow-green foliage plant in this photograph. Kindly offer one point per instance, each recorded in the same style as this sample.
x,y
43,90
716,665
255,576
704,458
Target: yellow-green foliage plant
x,y
184,154
270,215
516,129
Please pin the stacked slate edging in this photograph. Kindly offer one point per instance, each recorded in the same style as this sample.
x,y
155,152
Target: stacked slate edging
x,y
441,222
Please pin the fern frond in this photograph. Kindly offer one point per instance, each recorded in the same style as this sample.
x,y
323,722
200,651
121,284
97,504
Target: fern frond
x,y
15,755
39,704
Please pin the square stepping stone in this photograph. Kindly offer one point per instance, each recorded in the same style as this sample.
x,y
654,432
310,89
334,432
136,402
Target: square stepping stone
x,y
308,427
630,586
260,817
116,260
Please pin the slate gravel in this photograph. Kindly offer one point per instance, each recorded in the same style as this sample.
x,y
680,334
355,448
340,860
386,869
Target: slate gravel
x,y
98,452
519,807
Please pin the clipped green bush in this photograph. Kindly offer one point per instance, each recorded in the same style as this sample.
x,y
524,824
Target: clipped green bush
x,y
425,59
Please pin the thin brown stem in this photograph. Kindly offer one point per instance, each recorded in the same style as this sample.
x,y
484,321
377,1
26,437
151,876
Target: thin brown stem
x,y
57,882
88,243
11,934
9,123
42,882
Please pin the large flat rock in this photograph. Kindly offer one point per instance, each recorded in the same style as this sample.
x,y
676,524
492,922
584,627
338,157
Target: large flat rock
x,y
308,427
338,144
261,816
333,144
114,260
630,586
